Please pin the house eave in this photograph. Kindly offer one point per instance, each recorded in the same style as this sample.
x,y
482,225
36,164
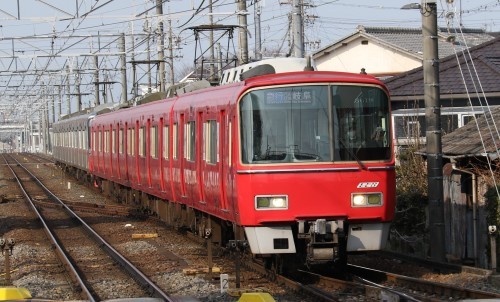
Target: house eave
x,y
442,96
491,156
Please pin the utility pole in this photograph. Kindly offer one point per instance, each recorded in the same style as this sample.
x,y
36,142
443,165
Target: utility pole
x,y
433,129
297,30
123,61
96,81
219,61
68,92
161,45
60,99
171,52
242,22
132,58
211,77
77,86
148,55
258,42
53,108
41,138
47,126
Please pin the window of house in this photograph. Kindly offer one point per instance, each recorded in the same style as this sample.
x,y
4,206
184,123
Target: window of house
x,y
413,129
449,123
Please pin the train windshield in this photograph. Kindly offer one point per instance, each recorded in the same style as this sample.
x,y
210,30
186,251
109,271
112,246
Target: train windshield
x,y
315,123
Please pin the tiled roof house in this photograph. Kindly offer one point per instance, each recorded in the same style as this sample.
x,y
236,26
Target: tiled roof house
x,y
467,151
479,68
388,51
470,119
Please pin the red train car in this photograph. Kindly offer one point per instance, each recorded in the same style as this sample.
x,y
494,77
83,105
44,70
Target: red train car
x,y
297,163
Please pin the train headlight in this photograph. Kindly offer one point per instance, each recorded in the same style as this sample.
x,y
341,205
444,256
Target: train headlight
x,y
272,202
366,199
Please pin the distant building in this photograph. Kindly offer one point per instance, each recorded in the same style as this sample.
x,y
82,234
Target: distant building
x,y
389,51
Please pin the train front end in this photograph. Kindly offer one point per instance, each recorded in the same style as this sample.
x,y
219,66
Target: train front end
x,y
316,165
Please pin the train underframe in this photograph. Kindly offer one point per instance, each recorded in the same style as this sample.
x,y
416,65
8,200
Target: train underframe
x,y
317,242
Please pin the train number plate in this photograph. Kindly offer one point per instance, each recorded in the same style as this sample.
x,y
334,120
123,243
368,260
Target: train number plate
x,y
368,185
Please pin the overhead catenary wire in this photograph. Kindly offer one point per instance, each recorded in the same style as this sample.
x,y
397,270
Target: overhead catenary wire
x,y
105,9
486,108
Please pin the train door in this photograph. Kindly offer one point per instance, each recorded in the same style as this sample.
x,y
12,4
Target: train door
x,y
99,149
104,145
189,160
200,163
149,150
126,149
132,149
114,151
209,162
111,150
182,147
95,160
88,145
120,164
175,164
137,147
223,157
162,148
229,176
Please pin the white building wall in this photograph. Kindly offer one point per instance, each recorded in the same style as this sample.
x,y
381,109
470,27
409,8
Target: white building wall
x,y
375,58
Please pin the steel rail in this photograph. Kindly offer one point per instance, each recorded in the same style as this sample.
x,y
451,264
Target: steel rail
x,y
140,278
421,285
75,276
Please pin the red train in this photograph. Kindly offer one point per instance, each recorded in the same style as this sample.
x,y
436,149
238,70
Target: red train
x,y
297,163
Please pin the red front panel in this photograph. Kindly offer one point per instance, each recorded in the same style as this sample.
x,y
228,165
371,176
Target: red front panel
x,y
314,195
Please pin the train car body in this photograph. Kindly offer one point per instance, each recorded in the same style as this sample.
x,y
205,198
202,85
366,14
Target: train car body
x,y
300,162
71,141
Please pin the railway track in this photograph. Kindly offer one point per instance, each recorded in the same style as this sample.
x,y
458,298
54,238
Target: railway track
x,y
422,290
370,284
93,264
322,288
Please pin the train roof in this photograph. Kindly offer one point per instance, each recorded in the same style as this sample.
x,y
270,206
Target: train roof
x,y
312,77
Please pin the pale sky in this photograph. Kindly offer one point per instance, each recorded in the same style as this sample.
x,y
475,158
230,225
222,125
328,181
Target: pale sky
x,y
46,36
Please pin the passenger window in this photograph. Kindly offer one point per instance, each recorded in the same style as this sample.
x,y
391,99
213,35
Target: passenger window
x,y
189,140
120,141
131,142
166,136
153,135
113,141
174,141
100,141
211,141
142,141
